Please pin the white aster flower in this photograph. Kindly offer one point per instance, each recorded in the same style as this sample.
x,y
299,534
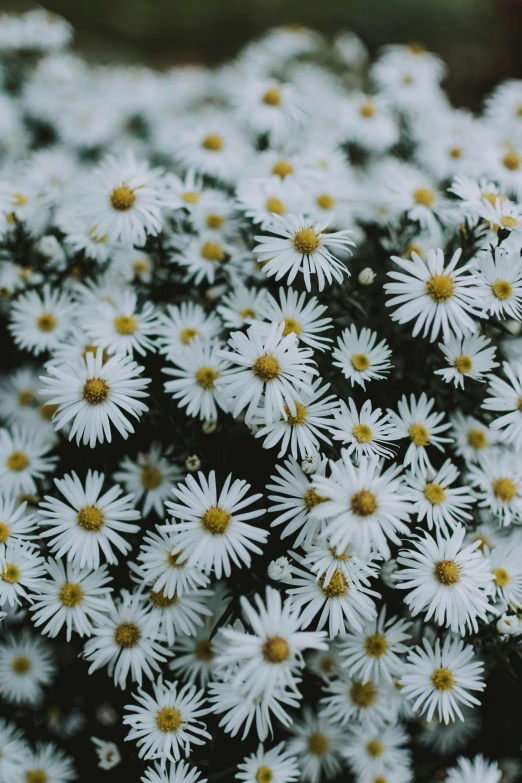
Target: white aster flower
x,y
24,457
150,477
298,245
178,772
211,532
263,197
108,753
120,326
13,750
507,396
163,566
21,571
422,426
374,652
360,358
180,325
317,743
375,753
94,396
241,306
506,566
468,357
15,523
476,769
497,481
276,765
26,667
47,762
447,579
38,322
437,297
439,679
301,316
366,432
472,437
499,277
89,521
350,700
167,723
436,500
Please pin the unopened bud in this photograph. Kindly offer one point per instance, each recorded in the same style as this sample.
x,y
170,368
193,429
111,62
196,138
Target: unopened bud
x,y
193,463
209,426
366,276
279,569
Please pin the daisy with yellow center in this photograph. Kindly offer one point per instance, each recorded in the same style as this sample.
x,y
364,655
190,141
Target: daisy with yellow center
x,y
366,432
499,275
437,501
360,358
467,357
374,652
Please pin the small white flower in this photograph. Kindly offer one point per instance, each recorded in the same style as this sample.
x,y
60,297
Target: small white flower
x,y
359,358
279,569
108,753
366,276
468,357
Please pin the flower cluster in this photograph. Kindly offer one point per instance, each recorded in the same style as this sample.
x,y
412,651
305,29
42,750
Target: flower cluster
x,y
261,412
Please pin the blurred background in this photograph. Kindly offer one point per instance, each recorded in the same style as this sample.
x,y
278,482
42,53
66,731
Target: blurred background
x,y
481,40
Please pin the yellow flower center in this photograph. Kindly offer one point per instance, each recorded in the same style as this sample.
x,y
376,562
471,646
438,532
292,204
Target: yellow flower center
x,y
36,776
203,650
71,595
127,635
311,498
360,362
94,350
376,645
363,503
212,251
367,109
21,664
20,199
206,377
47,411
455,153
477,439
419,435
275,650
123,198
306,241
413,248
5,532
173,559
168,720
325,201
463,364
502,289
291,325
191,197
362,433
484,542
300,415
11,574
282,169
214,221
442,679
363,695
150,477
511,161
266,368
95,391
125,324
213,143
46,322
502,578
160,600
505,489
90,518
248,312
318,744
447,572
424,196
375,748
25,397
327,664
17,461
140,267
216,520
434,493
440,288
272,97
275,205
264,775
188,334
337,587
507,221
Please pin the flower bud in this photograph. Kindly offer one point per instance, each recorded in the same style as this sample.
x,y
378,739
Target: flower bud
x,y
193,463
279,569
366,276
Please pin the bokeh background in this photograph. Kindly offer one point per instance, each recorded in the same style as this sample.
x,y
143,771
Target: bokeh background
x,y
481,40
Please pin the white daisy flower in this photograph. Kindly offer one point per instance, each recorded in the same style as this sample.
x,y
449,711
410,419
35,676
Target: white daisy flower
x,y
436,500
326,560
120,327
439,679
276,765
163,566
177,614
317,743
127,641
26,667
108,753
150,477
92,397
195,656
423,427
497,481
295,499
269,106
472,437
373,753
179,772
180,325
167,722
125,200
214,213
350,700
16,525
447,579
507,396
73,597
299,245
19,395
198,367
203,255
212,146
359,358
38,322
47,762
271,656
13,750
23,459
374,652
437,297
468,357
301,434
21,572
263,197
476,769
365,506
415,193
365,432
503,214
446,738
506,566
325,664
271,368
300,316
499,277
211,531
88,522
241,306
